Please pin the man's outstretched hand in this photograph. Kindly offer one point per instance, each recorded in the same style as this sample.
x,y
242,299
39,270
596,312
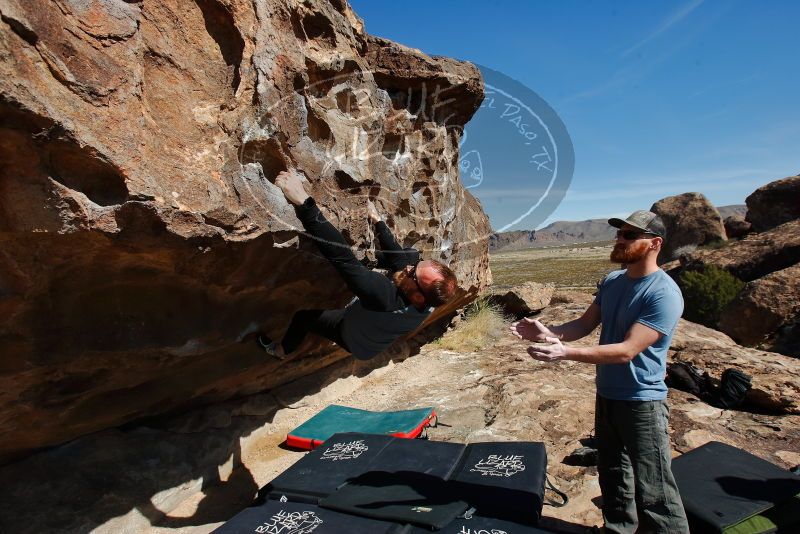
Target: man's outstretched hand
x,y
291,183
531,329
551,353
372,213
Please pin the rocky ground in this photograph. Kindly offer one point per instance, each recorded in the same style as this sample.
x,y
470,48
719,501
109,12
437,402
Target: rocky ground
x,y
197,470
499,393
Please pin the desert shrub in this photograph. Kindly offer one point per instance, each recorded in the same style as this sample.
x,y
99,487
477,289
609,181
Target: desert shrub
x,y
483,323
707,292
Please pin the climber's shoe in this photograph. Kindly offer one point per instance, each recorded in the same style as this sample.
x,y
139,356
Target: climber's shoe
x,y
270,347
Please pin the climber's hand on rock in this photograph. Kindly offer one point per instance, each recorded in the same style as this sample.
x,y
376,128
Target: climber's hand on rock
x,y
291,183
372,213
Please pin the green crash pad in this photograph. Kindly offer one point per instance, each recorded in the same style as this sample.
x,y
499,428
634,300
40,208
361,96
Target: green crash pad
x,y
726,490
783,517
335,419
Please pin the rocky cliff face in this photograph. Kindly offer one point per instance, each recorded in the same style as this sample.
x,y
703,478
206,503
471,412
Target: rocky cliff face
x,y
141,236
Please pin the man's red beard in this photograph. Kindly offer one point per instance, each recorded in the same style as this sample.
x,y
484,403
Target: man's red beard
x,y
632,253
408,287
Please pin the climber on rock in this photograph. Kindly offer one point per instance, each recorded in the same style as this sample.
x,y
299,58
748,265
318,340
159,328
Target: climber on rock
x,y
384,308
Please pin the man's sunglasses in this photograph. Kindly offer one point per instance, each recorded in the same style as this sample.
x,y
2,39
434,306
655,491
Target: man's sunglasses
x,y
633,235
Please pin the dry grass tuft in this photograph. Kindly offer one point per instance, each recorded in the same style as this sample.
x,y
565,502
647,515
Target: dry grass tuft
x,y
483,323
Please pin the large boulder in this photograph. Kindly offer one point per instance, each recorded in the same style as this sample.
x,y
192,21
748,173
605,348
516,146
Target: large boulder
x,y
763,307
774,204
736,226
141,235
786,339
525,299
752,257
691,220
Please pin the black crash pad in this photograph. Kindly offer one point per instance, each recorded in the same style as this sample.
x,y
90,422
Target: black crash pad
x,y
348,455
504,479
402,496
722,486
481,525
342,457
275,517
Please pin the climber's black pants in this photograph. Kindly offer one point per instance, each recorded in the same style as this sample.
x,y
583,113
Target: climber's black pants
x,y
325,323
375,290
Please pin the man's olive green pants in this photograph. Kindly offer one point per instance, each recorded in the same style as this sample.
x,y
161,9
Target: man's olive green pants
x,y
634,460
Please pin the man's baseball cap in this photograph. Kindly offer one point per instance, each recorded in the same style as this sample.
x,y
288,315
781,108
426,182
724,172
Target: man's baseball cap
x,y
644,220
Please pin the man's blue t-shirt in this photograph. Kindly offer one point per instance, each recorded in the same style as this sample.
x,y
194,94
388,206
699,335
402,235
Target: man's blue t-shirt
x,y
653,300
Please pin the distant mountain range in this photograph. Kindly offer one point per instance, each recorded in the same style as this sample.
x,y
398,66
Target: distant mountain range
x,y
733,209
568,232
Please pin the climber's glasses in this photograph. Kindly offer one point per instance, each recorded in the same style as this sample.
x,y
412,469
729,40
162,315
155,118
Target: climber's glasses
x,y
413,273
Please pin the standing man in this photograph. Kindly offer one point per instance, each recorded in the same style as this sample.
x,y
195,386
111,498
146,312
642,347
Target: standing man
x,y
639,308
384,308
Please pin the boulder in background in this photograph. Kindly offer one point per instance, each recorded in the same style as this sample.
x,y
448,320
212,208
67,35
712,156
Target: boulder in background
x,y
524,299
753,256
763,307
736,226
774,204
690,219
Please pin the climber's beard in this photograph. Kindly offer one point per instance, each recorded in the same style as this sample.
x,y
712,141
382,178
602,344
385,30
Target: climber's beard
x,y
402,279
404,282
631,253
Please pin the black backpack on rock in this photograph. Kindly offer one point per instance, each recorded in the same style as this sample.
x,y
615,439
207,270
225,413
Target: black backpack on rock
x,y
729,392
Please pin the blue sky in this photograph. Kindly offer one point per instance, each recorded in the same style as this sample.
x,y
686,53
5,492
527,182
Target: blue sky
x,y
659,98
